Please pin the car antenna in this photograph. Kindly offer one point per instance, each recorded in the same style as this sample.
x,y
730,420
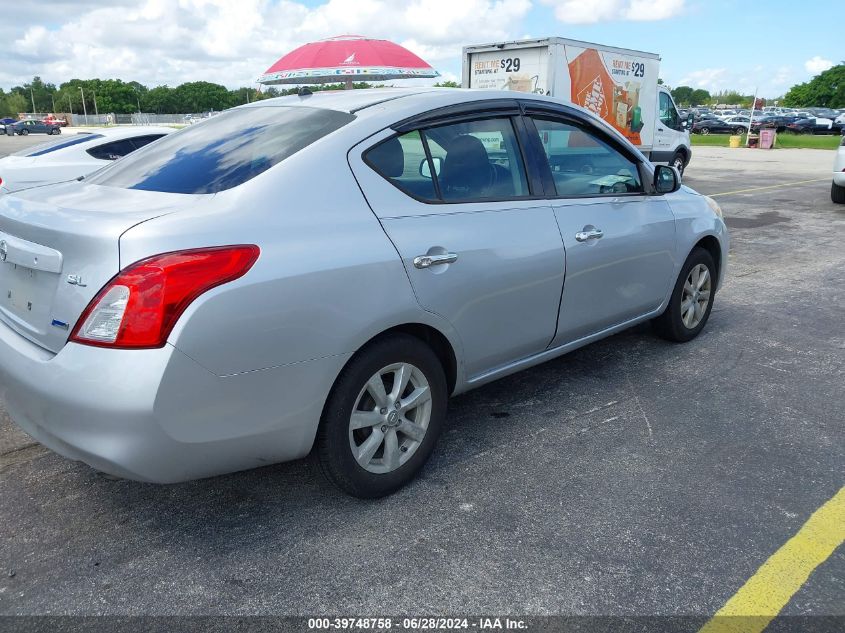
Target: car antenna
x,y
304,92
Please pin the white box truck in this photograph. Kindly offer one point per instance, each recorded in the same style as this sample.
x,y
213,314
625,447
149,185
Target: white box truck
x,y
618,85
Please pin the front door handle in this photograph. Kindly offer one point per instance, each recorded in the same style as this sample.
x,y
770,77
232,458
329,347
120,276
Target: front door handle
x,y
427,261
591,233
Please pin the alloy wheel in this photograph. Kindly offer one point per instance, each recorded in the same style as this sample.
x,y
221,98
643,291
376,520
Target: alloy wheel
x,y
696,296
390,418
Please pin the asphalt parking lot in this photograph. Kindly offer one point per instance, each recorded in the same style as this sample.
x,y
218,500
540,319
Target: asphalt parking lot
x,y
632,477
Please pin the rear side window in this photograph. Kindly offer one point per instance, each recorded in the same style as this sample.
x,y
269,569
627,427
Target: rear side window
x,y
224,151
402,161
459,162
113,150
52,146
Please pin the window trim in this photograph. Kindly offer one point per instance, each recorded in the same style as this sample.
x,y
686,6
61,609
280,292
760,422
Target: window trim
x,y
591,131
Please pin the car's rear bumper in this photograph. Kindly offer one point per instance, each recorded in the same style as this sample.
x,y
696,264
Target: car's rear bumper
x,y
156,415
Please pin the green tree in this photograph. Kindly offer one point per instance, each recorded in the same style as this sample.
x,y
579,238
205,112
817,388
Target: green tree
x,y
447,84
700,96
13,104
825,90
733,97
37,92
682,95
200,96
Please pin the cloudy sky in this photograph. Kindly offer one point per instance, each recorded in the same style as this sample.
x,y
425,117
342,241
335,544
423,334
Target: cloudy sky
x,y
711,44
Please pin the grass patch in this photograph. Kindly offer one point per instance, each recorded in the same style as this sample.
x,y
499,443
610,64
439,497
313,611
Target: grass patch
x,y
784,140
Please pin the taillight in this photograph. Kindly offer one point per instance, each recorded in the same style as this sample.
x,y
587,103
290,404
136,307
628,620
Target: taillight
x,y
139,307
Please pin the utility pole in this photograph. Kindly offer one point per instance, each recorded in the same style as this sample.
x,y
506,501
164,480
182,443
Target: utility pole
x,y
53,98
97,112
84,109
32,96
69,104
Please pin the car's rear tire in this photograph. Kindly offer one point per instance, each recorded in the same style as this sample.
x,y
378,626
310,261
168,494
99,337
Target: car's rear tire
x,y
739,131
837,193
705,131
691,301
372,440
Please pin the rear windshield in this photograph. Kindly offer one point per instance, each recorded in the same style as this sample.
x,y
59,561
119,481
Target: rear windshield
x,y
224,151
52,146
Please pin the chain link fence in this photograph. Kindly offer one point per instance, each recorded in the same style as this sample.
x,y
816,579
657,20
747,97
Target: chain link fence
x,y
136,118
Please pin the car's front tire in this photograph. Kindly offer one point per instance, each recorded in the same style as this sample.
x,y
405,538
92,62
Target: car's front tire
x,y
383,416
24,132
837,193
691,301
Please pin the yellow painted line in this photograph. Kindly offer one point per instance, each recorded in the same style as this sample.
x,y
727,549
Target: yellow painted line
x,y
786,184
766,593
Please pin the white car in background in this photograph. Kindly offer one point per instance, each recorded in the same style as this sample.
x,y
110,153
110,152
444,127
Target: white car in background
x,y
72,156
837,187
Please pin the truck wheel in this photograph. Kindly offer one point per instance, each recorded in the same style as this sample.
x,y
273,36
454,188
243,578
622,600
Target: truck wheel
x,y
837,193
678,162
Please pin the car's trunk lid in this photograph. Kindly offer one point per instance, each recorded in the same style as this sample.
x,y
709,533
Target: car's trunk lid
x,y
59,245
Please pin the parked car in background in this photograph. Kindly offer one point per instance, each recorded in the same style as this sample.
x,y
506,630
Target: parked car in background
x,y
777,122
73,156
51,120
718,126
837,187
326,271
4,122
816,125
31,126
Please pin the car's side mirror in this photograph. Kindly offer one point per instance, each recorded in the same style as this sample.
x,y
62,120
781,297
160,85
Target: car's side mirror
x,y
666,179
425,169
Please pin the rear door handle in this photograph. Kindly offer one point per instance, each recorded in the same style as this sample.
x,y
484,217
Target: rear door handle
x,y
427,261
589,234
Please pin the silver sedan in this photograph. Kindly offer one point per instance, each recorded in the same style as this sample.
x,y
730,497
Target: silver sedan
x,y
323,271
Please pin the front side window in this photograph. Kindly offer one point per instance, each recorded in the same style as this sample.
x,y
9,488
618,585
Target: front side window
x,y
224,152
668,114
458,162
584,165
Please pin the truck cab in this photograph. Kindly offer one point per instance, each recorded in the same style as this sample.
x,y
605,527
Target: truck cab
x,y
671,134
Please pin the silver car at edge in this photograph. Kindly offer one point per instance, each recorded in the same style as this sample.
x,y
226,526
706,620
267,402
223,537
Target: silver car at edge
x,y
323,271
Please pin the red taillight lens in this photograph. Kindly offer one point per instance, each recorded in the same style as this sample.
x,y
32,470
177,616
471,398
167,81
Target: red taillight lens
x,y
139,307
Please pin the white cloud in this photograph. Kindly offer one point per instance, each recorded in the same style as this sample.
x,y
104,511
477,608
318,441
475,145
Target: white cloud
x,y
711,79
817,65
769,82
229,41
591,12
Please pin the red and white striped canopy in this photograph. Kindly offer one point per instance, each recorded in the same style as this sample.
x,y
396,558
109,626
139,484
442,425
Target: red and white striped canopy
x,y
347,58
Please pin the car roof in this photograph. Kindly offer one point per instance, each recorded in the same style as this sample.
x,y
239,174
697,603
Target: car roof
x,y
343,100
401,99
